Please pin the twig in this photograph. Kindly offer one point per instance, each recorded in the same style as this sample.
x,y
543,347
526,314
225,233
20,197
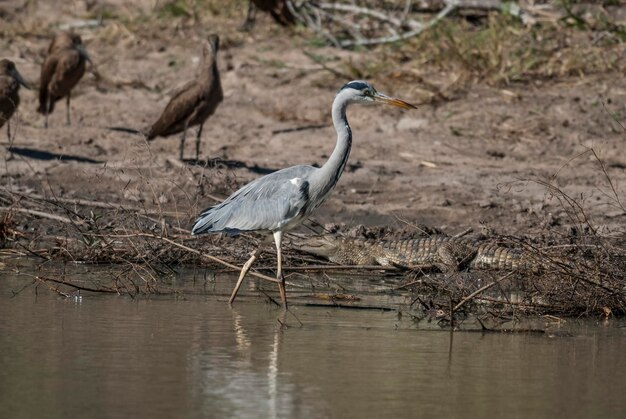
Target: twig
x,y
296,129
52,288
478,291
78,287
337,267
464,232
210,257
41,214
608,179
613,116
450,7
86,203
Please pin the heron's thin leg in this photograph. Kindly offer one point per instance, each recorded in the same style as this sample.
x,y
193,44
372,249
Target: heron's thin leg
x,y
242,275
278,238
244,270
198,141
67,106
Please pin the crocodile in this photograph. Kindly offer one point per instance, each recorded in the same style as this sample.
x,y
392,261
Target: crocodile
x,y
443,252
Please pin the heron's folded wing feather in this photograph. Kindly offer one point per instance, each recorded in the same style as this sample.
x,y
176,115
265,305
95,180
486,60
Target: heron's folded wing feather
x,y
268,203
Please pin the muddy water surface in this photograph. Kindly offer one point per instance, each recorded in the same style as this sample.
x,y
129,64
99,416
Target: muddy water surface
x,y
104,356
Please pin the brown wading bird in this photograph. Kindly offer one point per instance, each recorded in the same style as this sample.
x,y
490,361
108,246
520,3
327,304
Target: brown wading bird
x,y
62,69
277,8
10,80
281,200
194,103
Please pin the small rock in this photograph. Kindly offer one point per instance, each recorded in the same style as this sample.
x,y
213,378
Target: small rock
x,y
485,203
496,153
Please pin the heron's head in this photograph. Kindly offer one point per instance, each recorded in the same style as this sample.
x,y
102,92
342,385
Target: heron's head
x,y
7,68
362,92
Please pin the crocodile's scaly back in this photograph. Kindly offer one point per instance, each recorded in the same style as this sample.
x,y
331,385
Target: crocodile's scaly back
x,y
433,250
446,253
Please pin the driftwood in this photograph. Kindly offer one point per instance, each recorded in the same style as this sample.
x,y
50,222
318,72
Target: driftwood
x,y
348,24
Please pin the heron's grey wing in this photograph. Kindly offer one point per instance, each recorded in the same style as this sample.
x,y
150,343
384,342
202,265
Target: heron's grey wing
x,y
269,203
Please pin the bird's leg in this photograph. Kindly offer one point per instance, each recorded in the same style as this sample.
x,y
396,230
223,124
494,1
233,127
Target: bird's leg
x,y
67,106
278,239
250,18
47,111
244,270
242,275
198,141
182,141
9,130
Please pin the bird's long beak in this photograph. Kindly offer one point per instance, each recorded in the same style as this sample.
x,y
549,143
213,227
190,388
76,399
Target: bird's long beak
x,y
20,79
379,97
83,52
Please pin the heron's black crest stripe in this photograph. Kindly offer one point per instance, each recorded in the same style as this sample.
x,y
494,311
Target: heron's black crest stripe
x,y
357,85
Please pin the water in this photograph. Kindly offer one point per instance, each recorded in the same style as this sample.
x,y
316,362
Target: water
x,y
106,356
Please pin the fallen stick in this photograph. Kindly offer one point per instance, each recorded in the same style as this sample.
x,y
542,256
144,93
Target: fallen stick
x,y
296,129
78,287
213,258
478,291
88,203
40,214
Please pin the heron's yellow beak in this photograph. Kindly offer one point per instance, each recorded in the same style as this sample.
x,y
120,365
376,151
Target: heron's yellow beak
x,y
379,97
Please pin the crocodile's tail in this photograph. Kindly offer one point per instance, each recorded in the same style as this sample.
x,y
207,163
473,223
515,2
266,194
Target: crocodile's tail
x,y
494,256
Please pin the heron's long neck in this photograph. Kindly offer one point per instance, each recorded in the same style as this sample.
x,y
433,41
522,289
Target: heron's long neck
x,y
328,175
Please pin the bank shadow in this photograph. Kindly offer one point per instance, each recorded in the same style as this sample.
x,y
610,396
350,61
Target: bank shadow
x,y
231,164
32,153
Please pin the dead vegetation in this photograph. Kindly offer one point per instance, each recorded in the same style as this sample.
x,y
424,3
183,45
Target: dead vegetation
x,y
143,248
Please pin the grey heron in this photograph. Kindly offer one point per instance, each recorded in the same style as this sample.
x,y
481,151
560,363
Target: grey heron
x,y
281,200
